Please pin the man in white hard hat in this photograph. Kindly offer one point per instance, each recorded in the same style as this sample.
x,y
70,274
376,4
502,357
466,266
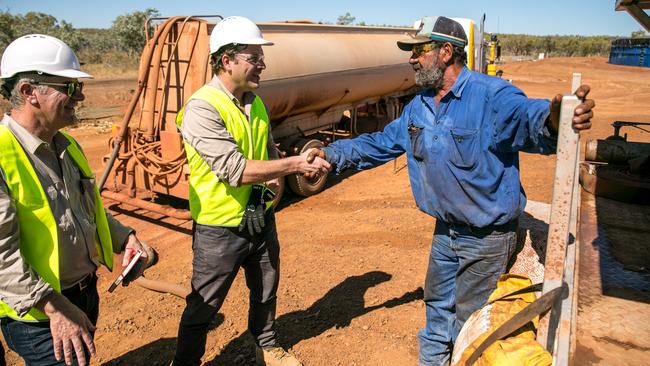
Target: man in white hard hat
x,y
54,231
234,170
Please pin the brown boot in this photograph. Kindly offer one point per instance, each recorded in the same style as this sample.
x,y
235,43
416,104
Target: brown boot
x,y
275,356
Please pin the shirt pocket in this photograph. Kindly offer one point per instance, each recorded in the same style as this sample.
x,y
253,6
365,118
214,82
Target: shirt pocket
x,y
87,198
464,147
416,137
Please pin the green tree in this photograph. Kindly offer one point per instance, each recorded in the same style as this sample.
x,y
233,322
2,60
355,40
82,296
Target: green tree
x,y
14,26
345,19
6,29
638,34
548,44
129,30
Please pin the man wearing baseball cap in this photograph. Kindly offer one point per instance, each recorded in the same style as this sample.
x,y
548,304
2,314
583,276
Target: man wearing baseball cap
x,y
54,230
462,135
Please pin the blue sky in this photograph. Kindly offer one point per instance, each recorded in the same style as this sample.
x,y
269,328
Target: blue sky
x,y
583,17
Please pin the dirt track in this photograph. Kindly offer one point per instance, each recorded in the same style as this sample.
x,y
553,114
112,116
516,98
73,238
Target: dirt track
x,y
353,257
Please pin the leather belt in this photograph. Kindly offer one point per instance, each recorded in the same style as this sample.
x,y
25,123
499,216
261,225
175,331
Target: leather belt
x,y
82,284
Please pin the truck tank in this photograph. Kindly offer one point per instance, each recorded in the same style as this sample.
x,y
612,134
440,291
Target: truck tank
x,y
316,75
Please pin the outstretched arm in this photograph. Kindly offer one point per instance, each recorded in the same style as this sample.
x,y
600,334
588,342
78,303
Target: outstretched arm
x,y
367,150
259,171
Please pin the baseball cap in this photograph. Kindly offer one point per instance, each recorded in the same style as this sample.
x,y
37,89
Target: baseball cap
x,y
439,29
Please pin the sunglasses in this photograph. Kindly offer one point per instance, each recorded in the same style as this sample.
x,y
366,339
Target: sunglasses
x,y
71,87
420,49
254,59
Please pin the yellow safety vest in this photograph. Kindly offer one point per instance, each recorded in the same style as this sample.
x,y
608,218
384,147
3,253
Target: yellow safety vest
x,y
39,243
213,202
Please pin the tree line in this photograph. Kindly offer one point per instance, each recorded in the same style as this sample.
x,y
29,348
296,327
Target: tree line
x,y
554,46
123,42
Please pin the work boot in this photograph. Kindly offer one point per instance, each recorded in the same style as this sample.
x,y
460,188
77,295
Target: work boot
x,y
275,356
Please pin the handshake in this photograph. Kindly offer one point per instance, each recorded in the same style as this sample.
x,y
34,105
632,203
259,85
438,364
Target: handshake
x,y
313,164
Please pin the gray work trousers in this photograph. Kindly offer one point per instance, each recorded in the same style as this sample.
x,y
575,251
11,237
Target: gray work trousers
x,y
218,254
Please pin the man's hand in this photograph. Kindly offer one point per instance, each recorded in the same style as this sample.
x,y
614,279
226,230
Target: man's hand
x,y
316,156
70,327
132,247
581,116
313,153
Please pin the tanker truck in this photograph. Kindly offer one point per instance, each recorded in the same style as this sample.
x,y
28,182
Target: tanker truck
x,y
322,83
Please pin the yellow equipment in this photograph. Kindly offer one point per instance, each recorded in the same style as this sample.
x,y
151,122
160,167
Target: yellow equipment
x,y
493,56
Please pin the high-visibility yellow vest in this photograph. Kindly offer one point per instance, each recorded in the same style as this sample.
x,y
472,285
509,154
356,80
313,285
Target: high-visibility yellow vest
x,y
213,202
39,243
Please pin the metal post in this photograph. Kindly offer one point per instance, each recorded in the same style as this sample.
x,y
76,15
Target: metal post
x,y
561,216
567,325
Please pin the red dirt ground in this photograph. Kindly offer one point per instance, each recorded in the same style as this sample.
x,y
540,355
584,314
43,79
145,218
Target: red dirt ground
x,y
354,256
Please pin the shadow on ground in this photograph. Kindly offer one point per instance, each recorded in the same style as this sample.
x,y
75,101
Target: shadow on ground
x,y
335,309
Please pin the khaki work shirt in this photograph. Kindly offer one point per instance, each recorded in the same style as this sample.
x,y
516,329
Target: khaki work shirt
x,y
72,201
203,128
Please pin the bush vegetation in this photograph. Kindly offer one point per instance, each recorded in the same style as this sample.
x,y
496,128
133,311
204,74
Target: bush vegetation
x,y
118,46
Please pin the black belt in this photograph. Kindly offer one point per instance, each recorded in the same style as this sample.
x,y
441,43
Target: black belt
x,y
83,284
445,227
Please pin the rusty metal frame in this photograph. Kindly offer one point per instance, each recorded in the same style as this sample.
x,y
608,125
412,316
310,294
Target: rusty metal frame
x,y
565,346
557,328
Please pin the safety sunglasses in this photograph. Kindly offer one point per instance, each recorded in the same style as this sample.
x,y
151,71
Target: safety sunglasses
x,y
254,59
71,87
420,49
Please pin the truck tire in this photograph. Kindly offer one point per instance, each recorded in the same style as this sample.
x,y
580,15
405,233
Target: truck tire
x,y
301,185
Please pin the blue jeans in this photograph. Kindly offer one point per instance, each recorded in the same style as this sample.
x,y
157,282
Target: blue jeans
x,y
33,340
464,267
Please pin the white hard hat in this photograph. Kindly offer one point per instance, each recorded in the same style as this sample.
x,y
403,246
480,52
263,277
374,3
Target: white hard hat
x,y
40,53
238,30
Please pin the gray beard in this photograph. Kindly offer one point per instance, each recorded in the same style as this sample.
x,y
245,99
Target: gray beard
x,y
431,78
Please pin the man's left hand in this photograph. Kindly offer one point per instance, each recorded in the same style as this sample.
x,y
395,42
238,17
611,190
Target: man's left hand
x,y
582,114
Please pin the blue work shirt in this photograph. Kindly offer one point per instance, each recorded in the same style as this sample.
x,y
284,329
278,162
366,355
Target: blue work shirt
x,y
462,155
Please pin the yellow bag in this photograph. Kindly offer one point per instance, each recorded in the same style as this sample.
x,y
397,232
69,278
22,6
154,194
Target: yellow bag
x,y
520,347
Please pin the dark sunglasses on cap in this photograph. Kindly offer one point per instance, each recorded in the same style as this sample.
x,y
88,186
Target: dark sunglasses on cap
x,y
71,87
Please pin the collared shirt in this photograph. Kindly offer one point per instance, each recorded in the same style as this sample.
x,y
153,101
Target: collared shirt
x,y
462,154
204,129
72,200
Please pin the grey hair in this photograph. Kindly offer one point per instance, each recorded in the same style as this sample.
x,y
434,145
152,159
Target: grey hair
x,y
11,91
459,55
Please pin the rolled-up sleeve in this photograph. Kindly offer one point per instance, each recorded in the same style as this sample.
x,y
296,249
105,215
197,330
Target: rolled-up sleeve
x,y
204,129
20,286
119,233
